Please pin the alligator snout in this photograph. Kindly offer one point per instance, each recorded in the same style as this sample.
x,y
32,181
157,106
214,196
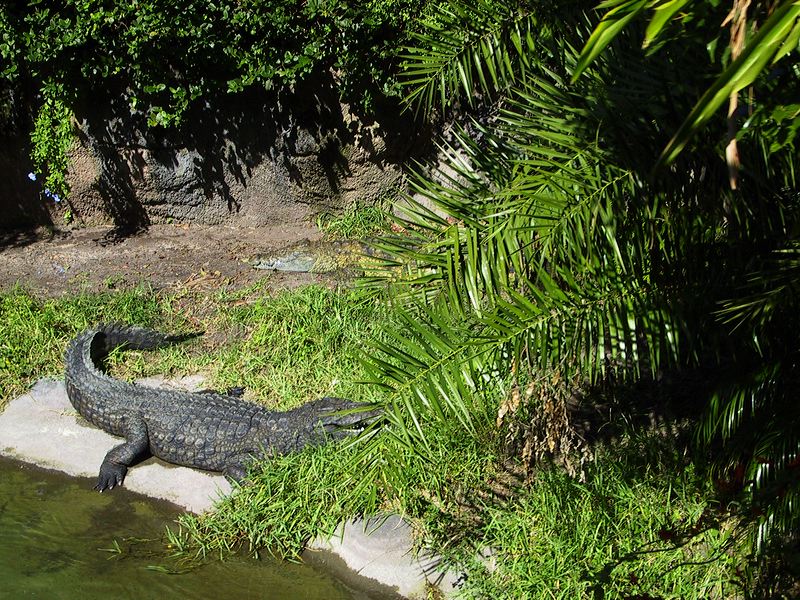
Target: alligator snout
x,y
352,420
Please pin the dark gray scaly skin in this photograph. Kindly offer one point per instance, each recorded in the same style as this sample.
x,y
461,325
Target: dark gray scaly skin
x,y
207,430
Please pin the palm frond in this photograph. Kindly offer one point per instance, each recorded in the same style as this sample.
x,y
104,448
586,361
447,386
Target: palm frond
x,y
432,367
545,246
466,47
771,288
755,416
539,249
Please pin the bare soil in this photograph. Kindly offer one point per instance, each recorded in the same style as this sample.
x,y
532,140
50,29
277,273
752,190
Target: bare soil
x,y
53,263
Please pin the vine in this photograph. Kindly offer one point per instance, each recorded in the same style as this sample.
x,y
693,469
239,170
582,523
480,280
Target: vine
x,y
51,139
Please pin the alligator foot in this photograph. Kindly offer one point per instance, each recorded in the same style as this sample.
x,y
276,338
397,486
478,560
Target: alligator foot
x,y
119,458
235,474
238,467
111,475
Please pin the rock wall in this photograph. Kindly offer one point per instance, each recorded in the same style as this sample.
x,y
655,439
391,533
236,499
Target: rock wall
x,y
256,158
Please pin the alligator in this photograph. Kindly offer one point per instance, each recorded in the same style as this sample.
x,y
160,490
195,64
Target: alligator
x,y
321,256
207,429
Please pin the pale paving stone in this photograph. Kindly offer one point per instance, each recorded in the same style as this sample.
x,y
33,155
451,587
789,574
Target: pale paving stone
x,y
41,427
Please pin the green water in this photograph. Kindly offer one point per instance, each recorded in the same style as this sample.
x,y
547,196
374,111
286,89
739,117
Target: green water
x,y
53,530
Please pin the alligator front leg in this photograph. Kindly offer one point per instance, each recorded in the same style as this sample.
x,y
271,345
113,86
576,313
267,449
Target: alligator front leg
x,y
119,458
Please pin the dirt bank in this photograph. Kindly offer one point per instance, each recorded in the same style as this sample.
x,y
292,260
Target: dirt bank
x,y
53,263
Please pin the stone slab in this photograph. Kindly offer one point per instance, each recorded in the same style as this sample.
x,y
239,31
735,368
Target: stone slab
x,y
381,548
43,428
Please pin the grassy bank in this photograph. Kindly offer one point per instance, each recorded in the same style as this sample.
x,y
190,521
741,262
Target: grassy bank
x,y
285,348
643,523
34,333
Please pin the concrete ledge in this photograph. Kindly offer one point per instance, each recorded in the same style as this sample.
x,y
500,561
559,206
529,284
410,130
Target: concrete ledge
x,y
41,427
380,548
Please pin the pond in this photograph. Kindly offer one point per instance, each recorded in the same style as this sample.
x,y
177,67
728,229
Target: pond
x,y
61,540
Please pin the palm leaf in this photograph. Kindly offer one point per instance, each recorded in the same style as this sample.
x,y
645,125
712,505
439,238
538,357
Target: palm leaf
x,y
621,13
772,287
466,47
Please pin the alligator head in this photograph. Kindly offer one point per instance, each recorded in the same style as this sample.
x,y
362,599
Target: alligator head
x,y
342,418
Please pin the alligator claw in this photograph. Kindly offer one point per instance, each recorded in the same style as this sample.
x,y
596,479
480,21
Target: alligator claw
x,y
110,477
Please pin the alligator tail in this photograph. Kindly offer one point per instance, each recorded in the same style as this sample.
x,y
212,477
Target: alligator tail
x,y
105,337
114,335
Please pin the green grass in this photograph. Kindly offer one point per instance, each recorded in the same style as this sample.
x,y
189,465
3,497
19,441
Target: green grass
x,y
357,222
633,529
642,524
288,348
299,345
34,333
292,499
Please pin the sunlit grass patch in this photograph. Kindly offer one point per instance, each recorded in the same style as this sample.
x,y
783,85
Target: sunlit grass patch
x,y
286,348
296,346
34,332
356,222
631,530
289,501
643,524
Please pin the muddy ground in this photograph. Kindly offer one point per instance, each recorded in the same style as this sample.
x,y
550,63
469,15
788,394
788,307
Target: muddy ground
x,y
54,263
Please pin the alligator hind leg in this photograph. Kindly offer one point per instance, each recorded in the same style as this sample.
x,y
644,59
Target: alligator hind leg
x,y
119,458
234,392
238,467
235,473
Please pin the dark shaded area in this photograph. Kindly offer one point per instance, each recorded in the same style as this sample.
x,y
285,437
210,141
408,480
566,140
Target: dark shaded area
x,y
118,171
668,403
19,238
186,172
220,140
20,202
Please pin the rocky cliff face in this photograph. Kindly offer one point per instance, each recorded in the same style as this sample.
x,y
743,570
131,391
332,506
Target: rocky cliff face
x,y
256,158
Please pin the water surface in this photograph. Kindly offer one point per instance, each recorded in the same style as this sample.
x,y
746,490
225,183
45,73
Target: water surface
x,y
61,540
